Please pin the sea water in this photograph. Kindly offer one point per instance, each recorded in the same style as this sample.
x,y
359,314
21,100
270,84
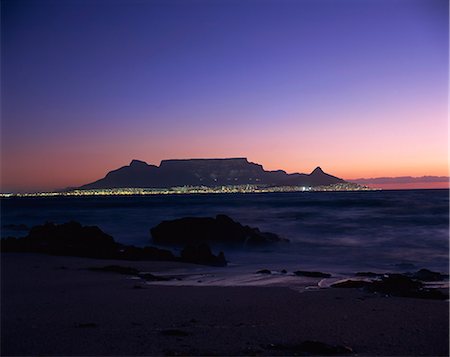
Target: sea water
x,y
336,232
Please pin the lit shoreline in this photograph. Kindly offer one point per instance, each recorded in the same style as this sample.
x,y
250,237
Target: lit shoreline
x,y
186,190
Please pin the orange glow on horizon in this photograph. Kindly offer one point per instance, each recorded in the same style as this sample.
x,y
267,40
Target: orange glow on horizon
x,y
68,172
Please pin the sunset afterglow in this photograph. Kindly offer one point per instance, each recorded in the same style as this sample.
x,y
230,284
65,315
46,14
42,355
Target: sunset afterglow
x,y
359,88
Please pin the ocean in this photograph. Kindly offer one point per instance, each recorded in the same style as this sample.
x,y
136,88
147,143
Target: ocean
x,y
337,232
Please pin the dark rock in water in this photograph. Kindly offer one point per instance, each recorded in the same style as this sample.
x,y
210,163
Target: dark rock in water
x,y
312,274
401,285
313,348
284,271
263,271
357,284
72,239
222,229
116,269
65,239
428,275
395,285
201,254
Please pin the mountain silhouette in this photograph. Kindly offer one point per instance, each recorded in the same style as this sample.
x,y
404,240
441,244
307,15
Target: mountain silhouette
x,y
206,172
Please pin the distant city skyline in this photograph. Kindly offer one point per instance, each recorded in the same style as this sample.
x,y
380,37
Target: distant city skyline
x,y
359,88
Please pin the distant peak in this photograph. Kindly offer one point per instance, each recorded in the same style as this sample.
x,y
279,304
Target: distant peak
x,y
138,163
317,170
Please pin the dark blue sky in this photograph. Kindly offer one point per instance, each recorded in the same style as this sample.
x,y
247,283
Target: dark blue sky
x,y
358,87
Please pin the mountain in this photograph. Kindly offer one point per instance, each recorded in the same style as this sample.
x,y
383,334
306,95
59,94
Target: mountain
x,y
206,172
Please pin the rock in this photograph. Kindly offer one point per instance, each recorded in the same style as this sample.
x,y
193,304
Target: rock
x,y
116,269
428,275
312,274
222,229
65,239
401,285
73,239
201,254
264,271
395,285
284,271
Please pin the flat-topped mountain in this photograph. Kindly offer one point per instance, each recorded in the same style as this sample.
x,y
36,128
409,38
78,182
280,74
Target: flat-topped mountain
x,y
206,172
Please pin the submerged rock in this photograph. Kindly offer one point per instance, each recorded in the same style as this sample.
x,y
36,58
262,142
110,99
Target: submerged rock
x,y
222,229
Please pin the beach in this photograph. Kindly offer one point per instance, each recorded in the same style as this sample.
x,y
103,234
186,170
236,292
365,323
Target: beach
x,y
57,306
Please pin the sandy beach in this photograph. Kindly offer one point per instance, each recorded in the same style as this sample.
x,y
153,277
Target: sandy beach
x,y
56,306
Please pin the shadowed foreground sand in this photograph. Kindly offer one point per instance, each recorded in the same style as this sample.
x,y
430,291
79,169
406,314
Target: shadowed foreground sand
x,y
54,306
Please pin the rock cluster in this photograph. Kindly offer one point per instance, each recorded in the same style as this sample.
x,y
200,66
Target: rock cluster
x,y
73,239
396,285
221,229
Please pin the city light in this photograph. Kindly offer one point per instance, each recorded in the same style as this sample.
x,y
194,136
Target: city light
x,y
183,190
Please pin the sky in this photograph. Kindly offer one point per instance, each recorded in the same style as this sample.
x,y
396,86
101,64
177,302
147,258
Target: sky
x,y
359,88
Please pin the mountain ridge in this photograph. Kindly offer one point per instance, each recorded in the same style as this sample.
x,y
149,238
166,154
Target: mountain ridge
x,y
206,172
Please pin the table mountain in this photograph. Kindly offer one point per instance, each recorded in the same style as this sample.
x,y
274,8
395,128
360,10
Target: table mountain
x,y
206,172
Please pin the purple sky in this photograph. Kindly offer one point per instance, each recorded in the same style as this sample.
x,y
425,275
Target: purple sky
x,y
359,87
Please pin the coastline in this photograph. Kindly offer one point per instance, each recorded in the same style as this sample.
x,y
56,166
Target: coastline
x,y
56,306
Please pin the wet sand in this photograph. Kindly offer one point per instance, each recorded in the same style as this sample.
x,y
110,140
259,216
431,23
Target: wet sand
x,y
55,306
